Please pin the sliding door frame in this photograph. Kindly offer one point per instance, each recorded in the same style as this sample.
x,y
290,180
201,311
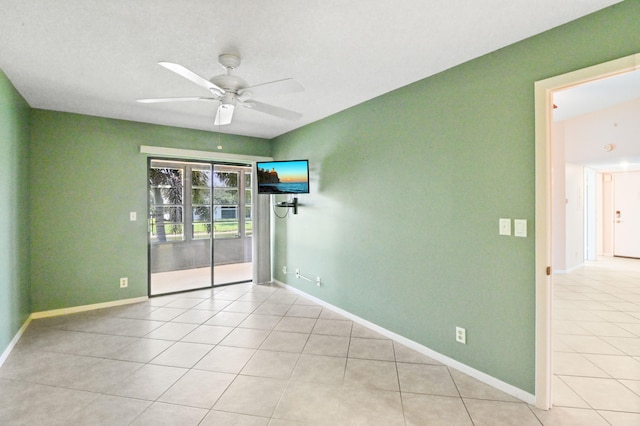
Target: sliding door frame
x,y
261,211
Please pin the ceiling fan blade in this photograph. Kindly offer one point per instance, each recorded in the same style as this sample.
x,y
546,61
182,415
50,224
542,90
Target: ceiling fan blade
x,y
182,99
192,76
272,110
224,114
278,87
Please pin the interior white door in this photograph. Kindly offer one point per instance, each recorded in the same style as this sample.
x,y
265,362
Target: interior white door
x,y
626,214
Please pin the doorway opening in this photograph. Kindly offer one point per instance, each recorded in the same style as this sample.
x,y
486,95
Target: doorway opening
x,y
200,225
545,200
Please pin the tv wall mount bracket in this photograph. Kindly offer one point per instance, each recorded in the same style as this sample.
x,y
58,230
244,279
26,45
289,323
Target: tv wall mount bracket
x,y
290,204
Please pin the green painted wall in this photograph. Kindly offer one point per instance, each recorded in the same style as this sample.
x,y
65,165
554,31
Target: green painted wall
x,y
14,219
87,175
407,189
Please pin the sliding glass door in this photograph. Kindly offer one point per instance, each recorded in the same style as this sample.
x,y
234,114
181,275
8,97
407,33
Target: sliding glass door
x,y
199,225
232,224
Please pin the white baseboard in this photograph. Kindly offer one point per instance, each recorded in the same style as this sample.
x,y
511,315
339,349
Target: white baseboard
x,y
84,308
5,354
450,362
567,271
56,312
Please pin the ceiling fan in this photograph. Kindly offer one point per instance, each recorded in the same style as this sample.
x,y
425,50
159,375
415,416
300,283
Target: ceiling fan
x,y
231,91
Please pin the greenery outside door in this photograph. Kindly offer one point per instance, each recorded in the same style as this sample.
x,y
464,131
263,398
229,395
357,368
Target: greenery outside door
x,y
199,217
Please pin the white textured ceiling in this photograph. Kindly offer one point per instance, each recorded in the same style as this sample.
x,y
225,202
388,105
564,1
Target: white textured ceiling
x,y
596,95
97,57
602,113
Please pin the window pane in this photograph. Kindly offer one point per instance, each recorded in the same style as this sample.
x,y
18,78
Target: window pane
x,y
200,178
166,185
201,227
201,214
225,179
225,229
166,224
224,212
165,198
167,214
225,196
201,230
201,196
166,195
227,212
225,221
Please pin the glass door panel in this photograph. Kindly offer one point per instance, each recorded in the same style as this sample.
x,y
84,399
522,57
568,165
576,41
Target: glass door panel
x,y
201,202
179,226
232,239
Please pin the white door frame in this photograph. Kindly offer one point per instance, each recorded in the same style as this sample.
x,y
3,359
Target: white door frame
x,y
544,90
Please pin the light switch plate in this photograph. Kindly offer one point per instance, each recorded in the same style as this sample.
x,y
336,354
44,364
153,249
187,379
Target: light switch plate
x,y
520,227
505,226
132,216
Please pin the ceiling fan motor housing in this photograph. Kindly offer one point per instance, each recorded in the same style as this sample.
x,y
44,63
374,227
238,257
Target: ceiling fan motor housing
x,y
229,83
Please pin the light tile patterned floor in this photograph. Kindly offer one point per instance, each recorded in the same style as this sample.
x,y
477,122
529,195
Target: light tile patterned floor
x,y
597,343
261,355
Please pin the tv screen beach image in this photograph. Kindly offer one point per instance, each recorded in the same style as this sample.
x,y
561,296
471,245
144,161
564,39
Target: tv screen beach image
x,y
283,177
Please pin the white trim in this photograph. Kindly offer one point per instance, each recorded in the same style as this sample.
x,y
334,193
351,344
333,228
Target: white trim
x,y
200,155
261,249
544,90
567,271
56,312
470,371
84,308
12,344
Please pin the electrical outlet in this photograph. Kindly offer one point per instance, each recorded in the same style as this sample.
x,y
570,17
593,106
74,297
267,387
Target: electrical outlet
x,y
461,335
297,273
284,270
318,282
124,282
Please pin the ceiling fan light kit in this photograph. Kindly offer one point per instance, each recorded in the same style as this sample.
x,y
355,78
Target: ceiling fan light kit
x,y
224,114
230,91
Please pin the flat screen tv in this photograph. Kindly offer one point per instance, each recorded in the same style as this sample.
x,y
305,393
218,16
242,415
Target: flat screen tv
x,y
283,177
